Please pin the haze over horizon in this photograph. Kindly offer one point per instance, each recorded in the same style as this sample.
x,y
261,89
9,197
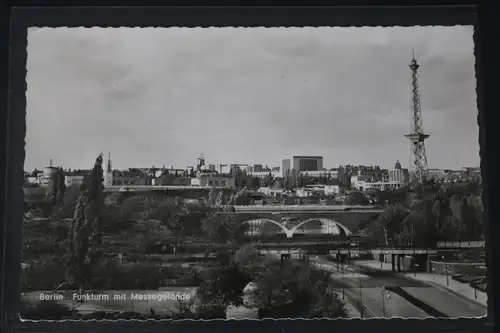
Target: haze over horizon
x,y
162,96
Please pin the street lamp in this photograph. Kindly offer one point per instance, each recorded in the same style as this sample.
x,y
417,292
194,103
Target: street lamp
x,y
343,276
433,271
475,289
360,298
447,275
384,293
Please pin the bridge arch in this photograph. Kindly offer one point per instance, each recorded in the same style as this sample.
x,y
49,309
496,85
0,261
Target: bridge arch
x,y
288,232
323,220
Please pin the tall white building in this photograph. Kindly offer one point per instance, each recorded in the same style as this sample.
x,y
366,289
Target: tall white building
x,y
285,166
397,174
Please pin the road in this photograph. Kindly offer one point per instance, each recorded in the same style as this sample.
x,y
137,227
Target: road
x,y
373,281
361,289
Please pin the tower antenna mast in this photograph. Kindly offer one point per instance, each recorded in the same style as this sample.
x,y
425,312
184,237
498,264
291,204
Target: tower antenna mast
x,y
417,136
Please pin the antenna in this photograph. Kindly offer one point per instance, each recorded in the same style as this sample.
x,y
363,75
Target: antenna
x,y
417,135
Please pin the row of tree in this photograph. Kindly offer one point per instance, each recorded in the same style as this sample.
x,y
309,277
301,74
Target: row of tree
x,y
429,213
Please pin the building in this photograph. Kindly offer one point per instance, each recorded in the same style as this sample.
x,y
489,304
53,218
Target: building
x,y
307,163
209,181
336,173
255,168
226,169
73,180
264,174
327,190
472,172
363,185
439,174
276,192
285,167
398,174
171,180
397,178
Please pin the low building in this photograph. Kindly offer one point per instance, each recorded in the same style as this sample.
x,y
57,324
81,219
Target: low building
x,y
264,174
277,192
327,190
125,177
73,180
382,186
209,181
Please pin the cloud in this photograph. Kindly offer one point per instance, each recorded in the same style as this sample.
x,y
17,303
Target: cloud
x,y
254,95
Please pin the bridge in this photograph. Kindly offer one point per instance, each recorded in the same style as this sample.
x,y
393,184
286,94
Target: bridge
x,y
296,221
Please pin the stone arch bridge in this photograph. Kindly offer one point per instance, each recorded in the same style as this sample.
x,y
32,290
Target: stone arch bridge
x,y
292,221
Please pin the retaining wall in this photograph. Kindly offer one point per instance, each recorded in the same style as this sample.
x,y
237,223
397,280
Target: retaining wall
x,y
473,269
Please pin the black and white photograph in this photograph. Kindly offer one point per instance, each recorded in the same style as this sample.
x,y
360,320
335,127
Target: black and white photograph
x,y
251,173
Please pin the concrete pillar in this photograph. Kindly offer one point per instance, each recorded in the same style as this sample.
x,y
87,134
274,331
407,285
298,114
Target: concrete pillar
x,y
393,262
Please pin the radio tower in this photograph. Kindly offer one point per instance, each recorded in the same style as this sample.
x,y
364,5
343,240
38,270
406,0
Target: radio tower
x,y
417,136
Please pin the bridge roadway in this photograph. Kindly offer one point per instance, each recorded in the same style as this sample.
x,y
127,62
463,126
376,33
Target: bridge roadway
x,y
288,217
303,208
357,244
362,285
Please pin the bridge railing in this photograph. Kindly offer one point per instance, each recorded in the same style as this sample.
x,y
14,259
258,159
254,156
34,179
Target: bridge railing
x,y
460,244
242,208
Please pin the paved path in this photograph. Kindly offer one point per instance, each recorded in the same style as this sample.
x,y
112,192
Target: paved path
x,y
463,289
455,300
364,289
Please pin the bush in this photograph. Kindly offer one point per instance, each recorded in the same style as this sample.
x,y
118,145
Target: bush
x,y
48,310
113,275
45,273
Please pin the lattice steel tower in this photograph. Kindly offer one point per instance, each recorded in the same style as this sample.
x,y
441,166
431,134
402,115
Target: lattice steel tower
x,y
417,136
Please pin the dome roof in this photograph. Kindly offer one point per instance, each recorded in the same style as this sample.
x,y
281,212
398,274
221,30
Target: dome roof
x,y
397,166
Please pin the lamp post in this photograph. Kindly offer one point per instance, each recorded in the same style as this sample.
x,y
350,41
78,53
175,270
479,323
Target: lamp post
x,y
447,275
343,288
433,271
360,298
475,288
384,293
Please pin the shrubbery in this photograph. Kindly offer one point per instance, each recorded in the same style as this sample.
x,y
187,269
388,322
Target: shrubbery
x,y
46,274
48,310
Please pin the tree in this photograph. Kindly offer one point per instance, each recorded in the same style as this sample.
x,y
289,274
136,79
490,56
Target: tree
x,y
223,287
219,201
387,226
224,229
212,196
56,189
255,182
85,235
436,212
293,178
268,180
246,256
294,289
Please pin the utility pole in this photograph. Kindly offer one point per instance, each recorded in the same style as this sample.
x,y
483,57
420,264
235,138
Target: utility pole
x,y
417,135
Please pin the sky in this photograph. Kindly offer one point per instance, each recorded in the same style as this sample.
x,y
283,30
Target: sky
x,y
163,96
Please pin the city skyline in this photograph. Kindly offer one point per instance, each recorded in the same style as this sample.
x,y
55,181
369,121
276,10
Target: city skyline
x,y
295,91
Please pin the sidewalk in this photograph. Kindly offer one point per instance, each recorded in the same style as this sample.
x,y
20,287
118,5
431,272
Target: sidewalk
x,y
460,288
